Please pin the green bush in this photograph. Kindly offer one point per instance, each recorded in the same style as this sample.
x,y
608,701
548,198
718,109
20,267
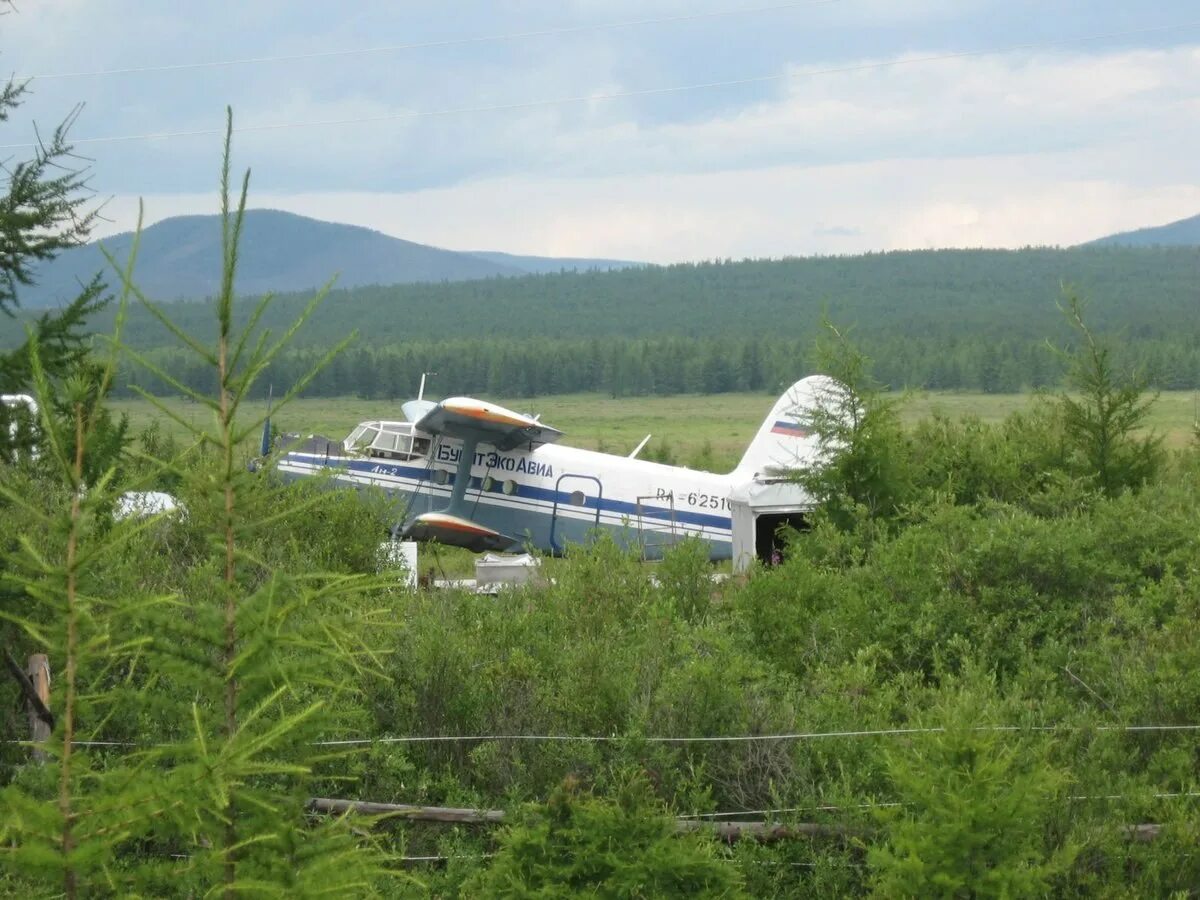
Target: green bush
x,y
582,846
974,806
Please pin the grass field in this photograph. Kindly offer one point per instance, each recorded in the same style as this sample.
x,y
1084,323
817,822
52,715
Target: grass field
x,y
702,431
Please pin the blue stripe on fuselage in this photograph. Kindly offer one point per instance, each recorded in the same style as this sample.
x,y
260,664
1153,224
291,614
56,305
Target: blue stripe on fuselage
x,y
606,504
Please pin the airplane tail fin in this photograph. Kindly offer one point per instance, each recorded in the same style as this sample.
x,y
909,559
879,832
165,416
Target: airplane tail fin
x,y
785,439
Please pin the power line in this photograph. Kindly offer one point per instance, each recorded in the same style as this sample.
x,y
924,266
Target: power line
x,y
429,45
784,810
741,738
617,95
703,739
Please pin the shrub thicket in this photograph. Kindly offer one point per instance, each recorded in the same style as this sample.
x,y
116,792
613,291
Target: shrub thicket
x,y
1023,598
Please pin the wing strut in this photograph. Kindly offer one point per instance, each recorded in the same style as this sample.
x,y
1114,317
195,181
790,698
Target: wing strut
x,y
462,477
452,525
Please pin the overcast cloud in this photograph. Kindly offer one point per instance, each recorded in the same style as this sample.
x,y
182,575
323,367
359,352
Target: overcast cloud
x,y
1047,145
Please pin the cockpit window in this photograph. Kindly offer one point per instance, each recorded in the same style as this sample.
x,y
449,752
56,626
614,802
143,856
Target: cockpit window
x,y
388,440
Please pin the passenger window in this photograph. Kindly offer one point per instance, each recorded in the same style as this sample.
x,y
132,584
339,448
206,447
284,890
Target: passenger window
x,y
578,498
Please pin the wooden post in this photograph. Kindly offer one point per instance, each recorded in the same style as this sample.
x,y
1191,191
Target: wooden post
x,y
39,676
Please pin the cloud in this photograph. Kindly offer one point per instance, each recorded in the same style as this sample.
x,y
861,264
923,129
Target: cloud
x,y
953,109
1045,146
896,204
948,109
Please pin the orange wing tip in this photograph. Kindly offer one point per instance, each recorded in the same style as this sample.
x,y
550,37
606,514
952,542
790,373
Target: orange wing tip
x,y
485,413
456,531
456,523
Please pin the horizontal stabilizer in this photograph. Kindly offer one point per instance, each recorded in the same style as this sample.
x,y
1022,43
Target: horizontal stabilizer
x,y
456,531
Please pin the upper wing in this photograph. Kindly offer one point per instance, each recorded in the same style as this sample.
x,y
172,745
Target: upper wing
x,y
462,417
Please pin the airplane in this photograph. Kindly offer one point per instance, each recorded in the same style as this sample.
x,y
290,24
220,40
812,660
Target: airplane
x,y
130,504
473,474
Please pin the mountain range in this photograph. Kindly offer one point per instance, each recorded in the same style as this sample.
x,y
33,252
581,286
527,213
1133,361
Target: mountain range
x,y
179,258
1185,232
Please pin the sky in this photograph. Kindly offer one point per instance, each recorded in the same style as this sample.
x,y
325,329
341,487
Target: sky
x,y
657,130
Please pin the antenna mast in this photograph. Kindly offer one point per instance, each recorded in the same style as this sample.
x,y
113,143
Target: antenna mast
x,y
421,389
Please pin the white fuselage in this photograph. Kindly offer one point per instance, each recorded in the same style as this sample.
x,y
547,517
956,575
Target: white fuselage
x,y
549,496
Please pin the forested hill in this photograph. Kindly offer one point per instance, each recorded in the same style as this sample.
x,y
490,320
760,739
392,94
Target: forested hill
x,y
180,258
944,294
953,319
1184,233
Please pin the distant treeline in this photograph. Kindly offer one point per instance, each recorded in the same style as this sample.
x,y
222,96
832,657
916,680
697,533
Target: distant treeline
x,y
1000,294
542,366
949,319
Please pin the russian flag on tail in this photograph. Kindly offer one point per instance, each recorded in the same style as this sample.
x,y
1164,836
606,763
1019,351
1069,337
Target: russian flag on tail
x,y
791,429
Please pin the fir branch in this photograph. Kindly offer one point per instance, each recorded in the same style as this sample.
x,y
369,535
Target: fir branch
x,y
65,804
248,329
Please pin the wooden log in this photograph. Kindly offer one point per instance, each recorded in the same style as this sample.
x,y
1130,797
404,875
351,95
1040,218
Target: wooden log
x,y
40,722
1142,834
729,832
409,811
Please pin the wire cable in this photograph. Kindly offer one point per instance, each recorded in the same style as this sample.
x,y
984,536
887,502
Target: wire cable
x,y
704,739
430,45
742,738
784,810
619,95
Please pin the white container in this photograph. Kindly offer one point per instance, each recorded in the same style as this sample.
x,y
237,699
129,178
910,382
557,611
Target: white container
x,y
506,568
400,557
